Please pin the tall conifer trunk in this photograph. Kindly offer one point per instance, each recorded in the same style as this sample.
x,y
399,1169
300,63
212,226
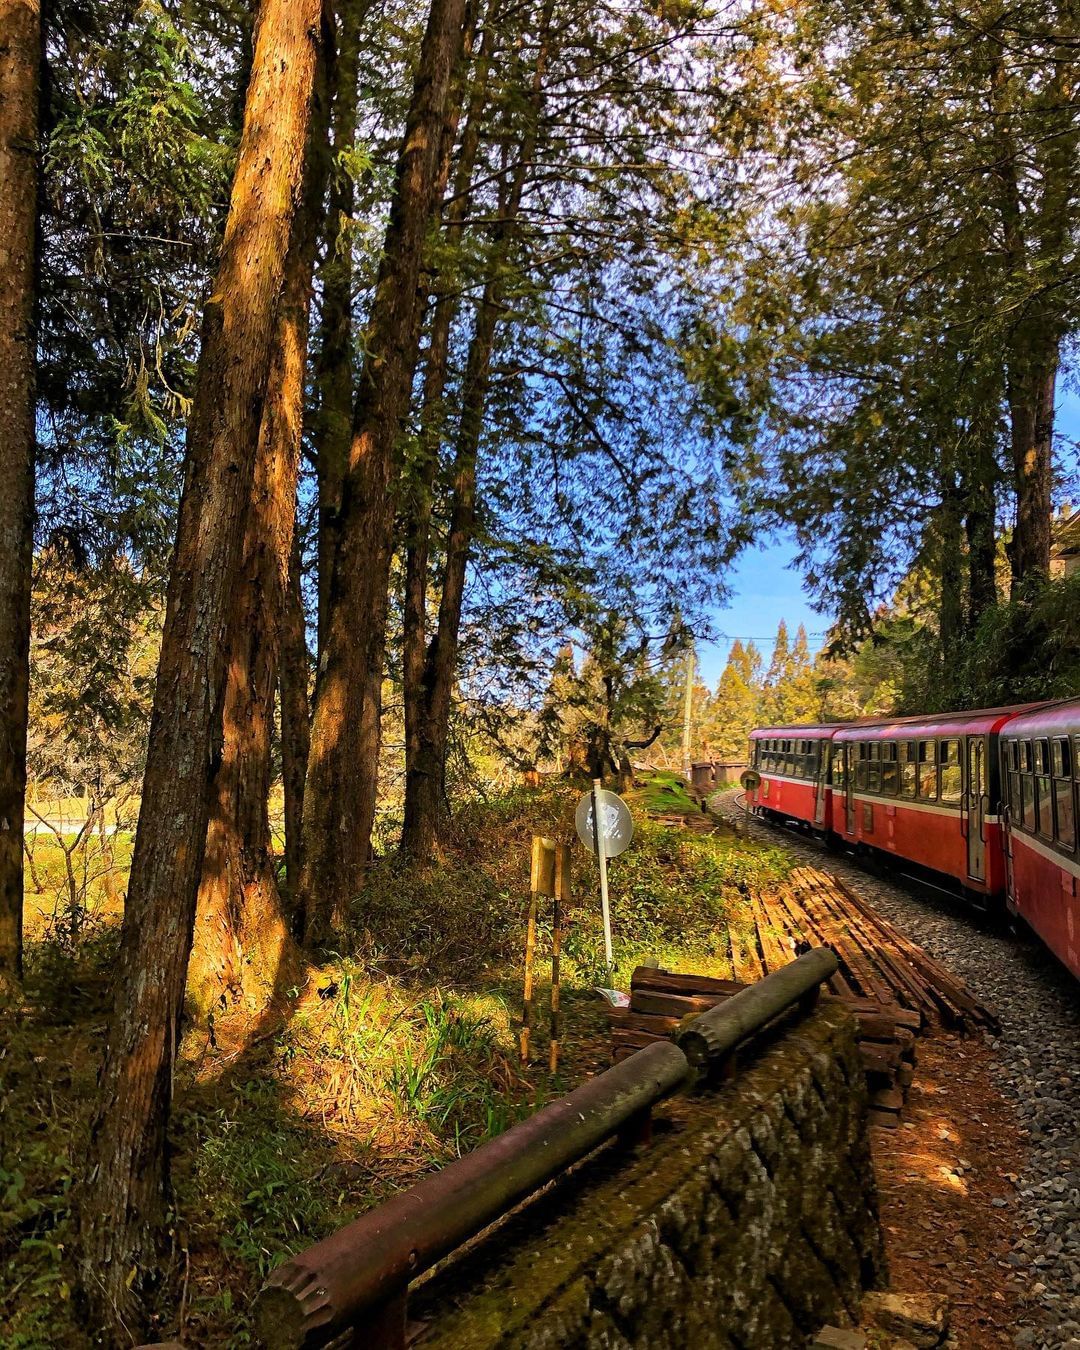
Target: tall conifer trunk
x,y
339,801
420,488
124,1204
334,362
295,730
1032,381
243,950
20,83
426,769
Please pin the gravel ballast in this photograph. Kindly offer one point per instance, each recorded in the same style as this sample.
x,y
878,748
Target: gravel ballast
x,y
1038,1052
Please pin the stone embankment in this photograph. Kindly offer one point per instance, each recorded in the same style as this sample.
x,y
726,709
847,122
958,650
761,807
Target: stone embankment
x,y
749,1220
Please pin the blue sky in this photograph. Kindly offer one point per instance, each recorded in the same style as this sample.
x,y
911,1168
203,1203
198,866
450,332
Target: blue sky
x,y
765,588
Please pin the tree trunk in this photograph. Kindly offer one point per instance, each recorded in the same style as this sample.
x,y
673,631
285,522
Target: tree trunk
x,y
1032,380
295,730
339,801
334,363
951,613
418,835
124,1206
426,776
980,521
20,83
243,951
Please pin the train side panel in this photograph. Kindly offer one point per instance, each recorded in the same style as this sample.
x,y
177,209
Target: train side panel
x,y
1046,894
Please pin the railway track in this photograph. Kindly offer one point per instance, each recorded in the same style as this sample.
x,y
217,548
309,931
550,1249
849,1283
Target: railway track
x,y
1037,1054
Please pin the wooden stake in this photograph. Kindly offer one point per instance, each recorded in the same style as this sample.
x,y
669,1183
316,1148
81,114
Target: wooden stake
x,y
562,893
542,868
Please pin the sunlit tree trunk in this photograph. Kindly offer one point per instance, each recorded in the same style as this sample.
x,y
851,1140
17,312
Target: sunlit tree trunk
x,y
243,950
124,1203
20,66
339,801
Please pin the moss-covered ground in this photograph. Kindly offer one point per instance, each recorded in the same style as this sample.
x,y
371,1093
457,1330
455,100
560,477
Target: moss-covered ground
x,y
393,1058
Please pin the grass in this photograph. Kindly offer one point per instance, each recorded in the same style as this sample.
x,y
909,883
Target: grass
x,y
397,1057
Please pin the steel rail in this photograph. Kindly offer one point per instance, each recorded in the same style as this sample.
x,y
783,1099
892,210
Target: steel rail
x,y
356,1281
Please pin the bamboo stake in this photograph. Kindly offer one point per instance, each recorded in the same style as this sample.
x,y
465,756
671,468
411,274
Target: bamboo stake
x,y
562,892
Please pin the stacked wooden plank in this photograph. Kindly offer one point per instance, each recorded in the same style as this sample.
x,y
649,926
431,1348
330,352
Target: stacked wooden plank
x,y
892,987
661,1000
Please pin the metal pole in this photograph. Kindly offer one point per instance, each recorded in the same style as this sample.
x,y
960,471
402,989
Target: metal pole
x,y
688,713
601,853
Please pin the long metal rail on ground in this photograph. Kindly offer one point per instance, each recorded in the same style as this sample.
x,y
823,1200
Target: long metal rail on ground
x,y
353,1286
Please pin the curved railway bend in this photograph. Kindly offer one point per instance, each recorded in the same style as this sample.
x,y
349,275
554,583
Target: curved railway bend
x,y
1037,1061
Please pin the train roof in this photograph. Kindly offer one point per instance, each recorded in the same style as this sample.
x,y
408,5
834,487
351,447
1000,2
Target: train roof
x,y
976,721
809,731
1061,716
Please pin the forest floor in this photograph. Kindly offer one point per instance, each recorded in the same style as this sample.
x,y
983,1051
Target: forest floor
x,y
388,1062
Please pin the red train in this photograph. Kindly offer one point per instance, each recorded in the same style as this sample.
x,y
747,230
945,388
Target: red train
x,y
985,799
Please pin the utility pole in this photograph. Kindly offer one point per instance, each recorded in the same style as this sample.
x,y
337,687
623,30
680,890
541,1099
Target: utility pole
x,y
688,712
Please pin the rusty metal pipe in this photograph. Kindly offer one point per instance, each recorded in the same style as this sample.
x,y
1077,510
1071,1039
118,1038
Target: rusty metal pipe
x,y
712,1036
321,1291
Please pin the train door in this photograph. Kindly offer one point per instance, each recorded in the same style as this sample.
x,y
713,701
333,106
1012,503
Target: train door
x,y
822,749
973,807
849,787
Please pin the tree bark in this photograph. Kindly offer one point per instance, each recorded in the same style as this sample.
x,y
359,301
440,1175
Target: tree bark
x,y
20,86
426,774
980,520
243,951
415,837
339,801
1031,385
334,362
295,731
123,1207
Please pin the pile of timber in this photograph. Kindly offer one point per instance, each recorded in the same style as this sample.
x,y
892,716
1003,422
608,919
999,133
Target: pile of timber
x,y
891,986
660,1000
876,959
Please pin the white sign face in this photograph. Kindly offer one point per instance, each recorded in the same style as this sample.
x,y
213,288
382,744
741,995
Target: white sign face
x,y
616,823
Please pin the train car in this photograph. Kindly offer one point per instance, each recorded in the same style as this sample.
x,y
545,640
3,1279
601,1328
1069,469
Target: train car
x,y
1040,756
794,766
926,790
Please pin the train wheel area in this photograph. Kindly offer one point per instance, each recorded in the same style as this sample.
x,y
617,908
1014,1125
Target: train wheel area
x,y
980,1184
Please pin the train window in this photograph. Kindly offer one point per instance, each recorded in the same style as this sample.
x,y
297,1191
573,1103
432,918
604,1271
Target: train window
x,y
813,759
838,766
1064,800
908,768
1044,807
952,779
928,770
860,768
1042,756
890,772
873,768
1025,756
1027,800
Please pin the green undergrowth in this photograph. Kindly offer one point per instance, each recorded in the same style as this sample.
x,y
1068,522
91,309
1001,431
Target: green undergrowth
x,y
397,1056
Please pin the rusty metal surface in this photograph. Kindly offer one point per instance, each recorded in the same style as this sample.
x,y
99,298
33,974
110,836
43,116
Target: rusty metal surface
x,y
320,1291
714,1035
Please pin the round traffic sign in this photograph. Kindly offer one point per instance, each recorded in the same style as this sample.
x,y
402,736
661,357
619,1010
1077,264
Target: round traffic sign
x,y
750,779
616,822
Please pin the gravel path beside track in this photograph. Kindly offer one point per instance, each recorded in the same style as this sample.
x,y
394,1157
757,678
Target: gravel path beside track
x,y
1039,1056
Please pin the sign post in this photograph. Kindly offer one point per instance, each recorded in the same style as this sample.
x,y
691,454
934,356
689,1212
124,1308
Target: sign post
x,y
604,824
600,844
